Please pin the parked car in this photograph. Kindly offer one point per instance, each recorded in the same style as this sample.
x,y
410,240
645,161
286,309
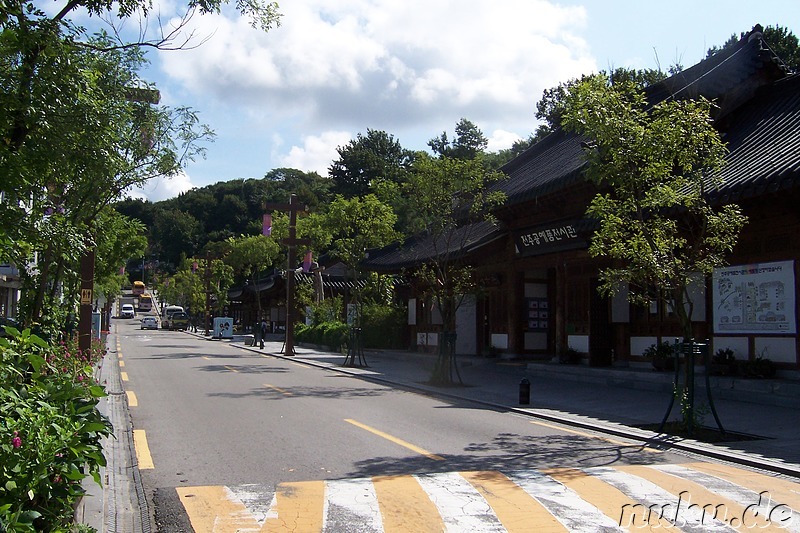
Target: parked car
x,y
178,320
150,322
127,311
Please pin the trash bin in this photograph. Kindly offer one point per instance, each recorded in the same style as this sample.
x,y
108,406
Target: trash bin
x,y
525,392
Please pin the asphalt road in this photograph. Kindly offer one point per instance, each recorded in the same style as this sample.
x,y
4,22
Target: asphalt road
x,y
210,418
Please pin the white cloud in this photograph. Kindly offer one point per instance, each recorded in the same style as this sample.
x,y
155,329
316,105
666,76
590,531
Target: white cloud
x,y
162,188
317,152
502,140
354,64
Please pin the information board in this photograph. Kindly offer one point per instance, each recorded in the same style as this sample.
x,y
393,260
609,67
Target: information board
x,y
755,298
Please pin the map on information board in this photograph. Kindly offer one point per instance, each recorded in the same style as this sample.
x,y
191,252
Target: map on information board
x,y
756,298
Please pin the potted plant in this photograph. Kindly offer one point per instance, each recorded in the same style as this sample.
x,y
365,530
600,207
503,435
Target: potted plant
x,y
723,363
661,355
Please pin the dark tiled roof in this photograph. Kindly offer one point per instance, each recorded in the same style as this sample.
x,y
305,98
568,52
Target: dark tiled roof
x,y
462,242
763,139
733,77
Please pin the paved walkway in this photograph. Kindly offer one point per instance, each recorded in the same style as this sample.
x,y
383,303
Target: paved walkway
x,y
609,400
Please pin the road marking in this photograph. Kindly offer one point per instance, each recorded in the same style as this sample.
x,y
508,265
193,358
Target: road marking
x,y
298,506
215,509
461,505
122,364
691,492
405,506
608,499
391,438
514,507
132,400
123,376
598,437
587,500
143,456
273,387
352,505
231,368
301,365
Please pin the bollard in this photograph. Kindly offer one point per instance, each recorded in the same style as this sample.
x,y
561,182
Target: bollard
x,y
524,392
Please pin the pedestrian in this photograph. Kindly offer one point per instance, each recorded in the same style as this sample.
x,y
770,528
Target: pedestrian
x,y
263,331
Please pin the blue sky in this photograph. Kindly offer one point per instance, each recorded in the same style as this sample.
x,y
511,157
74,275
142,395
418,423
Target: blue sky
x,y
412,68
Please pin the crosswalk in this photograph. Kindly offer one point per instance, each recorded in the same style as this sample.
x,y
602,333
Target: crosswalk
x,y
691,497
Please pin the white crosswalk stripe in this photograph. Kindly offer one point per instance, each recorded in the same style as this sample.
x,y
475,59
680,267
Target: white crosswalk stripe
x,y
352,506
461,506
697,497
576,514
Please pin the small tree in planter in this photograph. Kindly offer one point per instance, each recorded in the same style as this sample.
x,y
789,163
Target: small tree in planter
x,y
655,166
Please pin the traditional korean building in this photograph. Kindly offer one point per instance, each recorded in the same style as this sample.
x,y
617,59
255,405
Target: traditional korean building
x,y
540,283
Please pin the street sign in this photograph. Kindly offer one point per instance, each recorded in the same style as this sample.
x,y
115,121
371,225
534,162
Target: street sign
x,y
86,296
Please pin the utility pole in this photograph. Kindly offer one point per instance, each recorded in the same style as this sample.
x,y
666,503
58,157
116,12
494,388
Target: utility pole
x,y
293,208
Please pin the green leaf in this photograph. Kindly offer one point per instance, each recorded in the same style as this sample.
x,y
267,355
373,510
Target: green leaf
x,y
11,485
36,361
97,391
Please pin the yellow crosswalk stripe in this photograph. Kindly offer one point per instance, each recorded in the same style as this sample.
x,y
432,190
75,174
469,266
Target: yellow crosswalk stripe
x,y
299,506
514,507
212,510
405,506
608,499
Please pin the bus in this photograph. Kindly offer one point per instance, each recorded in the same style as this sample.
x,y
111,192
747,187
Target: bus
x,y
145,302
138,288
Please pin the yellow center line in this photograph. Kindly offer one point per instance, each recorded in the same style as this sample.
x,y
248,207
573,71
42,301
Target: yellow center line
x,y
391,438
589,435
273,387
122,364
230,368
207,358
301,365
123,376
133,401
142,450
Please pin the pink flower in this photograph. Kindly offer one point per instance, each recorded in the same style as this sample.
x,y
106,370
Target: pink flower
x,y
16,442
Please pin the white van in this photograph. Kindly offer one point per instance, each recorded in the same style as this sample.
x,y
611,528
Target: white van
x,y
127,311
168,312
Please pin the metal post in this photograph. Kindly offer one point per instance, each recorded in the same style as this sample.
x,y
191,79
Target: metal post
x,y
87,297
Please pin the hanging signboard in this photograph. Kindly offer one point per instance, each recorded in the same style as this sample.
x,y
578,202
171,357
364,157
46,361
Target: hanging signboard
x,y
755,298
547,239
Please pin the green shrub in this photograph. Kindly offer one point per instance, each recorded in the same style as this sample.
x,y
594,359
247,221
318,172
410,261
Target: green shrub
x,y
50,431
382,326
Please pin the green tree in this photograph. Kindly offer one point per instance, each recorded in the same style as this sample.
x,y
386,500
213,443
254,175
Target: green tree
x,y
655,167
250,255
367,158
469,142
452,200
121,238
175,234
550,107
